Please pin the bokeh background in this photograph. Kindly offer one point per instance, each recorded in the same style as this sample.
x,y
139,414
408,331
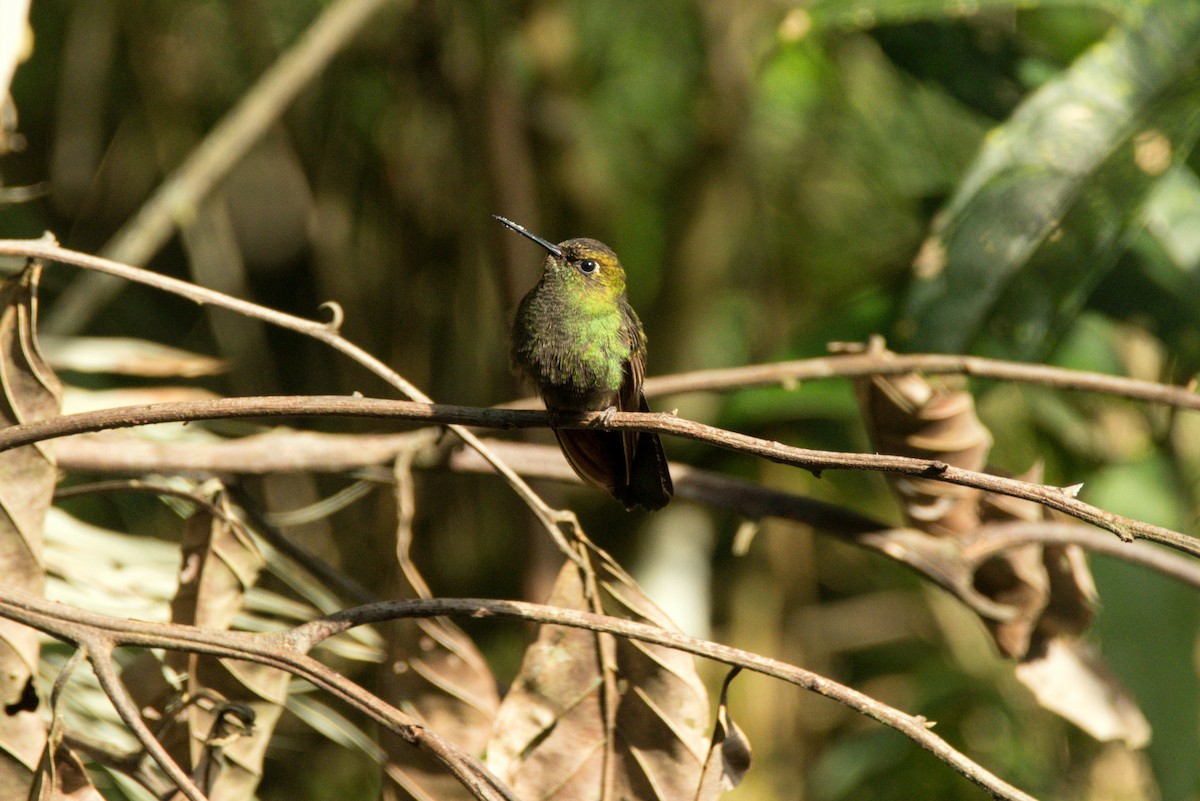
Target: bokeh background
x,y
1009,178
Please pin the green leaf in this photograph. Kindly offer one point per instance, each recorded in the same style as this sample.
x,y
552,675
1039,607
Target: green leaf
x,y
1051,199
849,14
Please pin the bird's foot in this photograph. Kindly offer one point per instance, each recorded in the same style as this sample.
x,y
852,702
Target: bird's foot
x,y
605,420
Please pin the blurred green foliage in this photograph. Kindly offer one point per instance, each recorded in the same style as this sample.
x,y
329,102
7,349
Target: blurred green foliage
x,y
1015,178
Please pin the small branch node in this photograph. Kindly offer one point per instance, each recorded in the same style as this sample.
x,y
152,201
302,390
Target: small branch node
x,y
1072,491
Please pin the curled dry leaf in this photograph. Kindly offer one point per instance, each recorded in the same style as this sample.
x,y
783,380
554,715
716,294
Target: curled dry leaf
x,y
592,716
435,673
61,775
909,416
219,728
1049,589
1050,585
29,391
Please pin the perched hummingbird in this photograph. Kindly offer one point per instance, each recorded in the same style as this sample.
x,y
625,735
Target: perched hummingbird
x,y
577,338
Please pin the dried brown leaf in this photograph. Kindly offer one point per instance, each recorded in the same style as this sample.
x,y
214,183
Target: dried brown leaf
x,y
662,713
552,737
1070,679
1049,588
436,673
729,753
908,416
126,356
1018,577
1073,596
29,391
220,726
63,777
549,736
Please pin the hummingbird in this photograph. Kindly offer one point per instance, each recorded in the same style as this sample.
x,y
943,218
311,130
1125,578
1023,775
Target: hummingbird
x,y
580,342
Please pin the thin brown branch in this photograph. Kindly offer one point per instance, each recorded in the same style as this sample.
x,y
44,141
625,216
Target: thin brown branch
x,y
915,727
1000,537
182,192
947,562
1053,498
740,496
287,650
1056,498
99,653
99,633
47,248
135,764
276,451
288,450
862,365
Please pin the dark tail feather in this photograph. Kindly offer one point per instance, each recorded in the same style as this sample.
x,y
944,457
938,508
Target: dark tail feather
x,y
599,459
650,484
597,456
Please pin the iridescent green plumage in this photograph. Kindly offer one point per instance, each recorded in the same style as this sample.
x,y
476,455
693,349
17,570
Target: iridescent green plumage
x,y
577,338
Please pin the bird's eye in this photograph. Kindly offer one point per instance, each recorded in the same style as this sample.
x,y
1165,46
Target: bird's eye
x,y
588,266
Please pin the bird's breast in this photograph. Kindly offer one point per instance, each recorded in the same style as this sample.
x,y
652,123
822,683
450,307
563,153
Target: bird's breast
x,y
575,354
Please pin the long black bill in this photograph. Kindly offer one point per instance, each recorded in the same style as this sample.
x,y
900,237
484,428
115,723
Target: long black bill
x,y
520,229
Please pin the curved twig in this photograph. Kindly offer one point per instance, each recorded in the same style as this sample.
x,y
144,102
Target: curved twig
x,y
100,633
287,651
1059,499
48,248
301,450
99,654
915,727
996,538
863,365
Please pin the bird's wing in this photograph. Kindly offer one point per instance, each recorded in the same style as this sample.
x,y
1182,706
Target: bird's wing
x,y
629,398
